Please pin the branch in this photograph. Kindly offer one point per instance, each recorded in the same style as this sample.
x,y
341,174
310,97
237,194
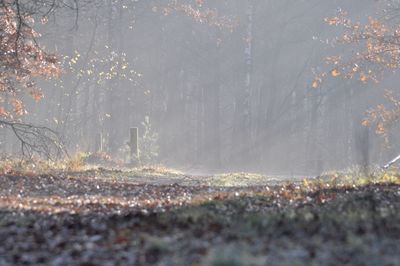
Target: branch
x,y
39,140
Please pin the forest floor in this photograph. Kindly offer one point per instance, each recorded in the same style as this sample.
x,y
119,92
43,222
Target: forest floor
x,y
155,216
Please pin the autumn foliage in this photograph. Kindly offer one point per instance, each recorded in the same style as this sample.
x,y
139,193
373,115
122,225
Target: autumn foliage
x,y
200,13
376,50
378,47
22,60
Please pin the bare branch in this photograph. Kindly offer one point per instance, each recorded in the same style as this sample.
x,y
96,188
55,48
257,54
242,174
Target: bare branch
x,y
39,140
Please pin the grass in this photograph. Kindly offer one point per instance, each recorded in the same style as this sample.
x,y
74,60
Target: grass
x,y
238,179
86,164
82,164
356,177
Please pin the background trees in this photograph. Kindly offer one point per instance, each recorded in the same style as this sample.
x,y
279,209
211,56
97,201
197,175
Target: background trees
x,y
223,85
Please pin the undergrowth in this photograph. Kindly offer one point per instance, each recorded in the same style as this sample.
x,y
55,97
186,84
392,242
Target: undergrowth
x,y
82,164
78,163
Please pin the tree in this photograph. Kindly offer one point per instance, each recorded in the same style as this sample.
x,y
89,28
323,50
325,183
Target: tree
x,y
23,60
376,46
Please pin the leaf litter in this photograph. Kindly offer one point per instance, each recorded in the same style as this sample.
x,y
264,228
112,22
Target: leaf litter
x,y
112,217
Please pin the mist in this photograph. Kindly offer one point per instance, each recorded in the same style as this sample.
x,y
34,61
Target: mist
x,y
226,90
199,132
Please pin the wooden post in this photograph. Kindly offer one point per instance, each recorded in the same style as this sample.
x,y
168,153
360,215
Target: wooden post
x,y
133,144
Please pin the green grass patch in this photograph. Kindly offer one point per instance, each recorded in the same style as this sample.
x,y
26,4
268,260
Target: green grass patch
x,y
239,179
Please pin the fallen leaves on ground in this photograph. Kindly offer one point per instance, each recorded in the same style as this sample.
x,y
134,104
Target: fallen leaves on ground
x,y
94,219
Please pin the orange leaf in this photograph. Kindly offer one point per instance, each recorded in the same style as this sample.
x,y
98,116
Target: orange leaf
x,y
3,111
365,122
36,94
363,77
335,73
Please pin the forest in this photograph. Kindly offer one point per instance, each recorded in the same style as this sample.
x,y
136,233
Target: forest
x,y
199,132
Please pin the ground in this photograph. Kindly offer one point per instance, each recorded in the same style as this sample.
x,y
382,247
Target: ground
x,y
153,216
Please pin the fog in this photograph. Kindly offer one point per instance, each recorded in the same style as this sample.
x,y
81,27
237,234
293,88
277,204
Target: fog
x,y
227,91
